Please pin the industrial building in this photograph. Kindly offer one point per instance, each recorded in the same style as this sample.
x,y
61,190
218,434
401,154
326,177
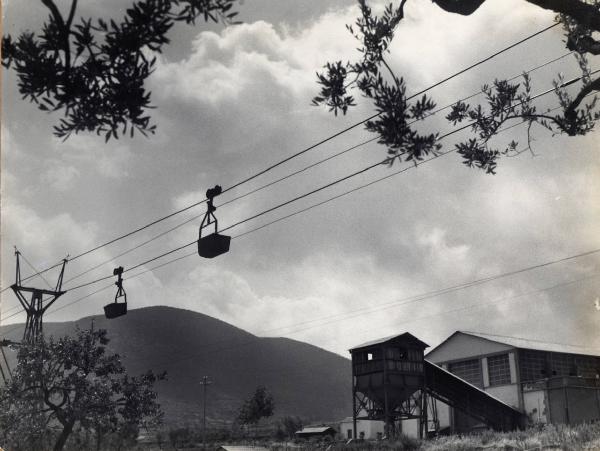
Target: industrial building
x,y
472,380
549,383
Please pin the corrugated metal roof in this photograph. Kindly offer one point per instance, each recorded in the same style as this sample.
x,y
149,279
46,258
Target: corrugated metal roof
x,y
537,345
383,340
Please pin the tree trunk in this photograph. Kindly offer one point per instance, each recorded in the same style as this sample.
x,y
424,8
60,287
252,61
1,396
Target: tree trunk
x,y
64,435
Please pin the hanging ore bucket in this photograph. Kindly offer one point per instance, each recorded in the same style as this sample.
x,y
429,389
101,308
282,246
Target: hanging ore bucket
x,y
116,308
210,246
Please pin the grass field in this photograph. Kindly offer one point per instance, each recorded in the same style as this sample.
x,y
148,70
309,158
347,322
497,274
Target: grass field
x,y
546,438
551,437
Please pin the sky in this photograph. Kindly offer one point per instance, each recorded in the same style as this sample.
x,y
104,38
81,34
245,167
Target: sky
x,y
231,101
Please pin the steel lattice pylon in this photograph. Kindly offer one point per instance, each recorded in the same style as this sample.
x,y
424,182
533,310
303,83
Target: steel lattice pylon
x,y
36,305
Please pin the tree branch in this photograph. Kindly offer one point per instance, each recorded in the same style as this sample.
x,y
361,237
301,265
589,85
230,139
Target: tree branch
x,y
65,29
55,12
71,14
584,44
584,13
396,81
587,89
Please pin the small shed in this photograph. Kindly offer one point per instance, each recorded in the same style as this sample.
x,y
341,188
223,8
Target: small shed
x,y
321,431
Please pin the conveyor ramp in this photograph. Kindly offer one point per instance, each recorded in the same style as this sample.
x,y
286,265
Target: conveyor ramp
x,y
459,394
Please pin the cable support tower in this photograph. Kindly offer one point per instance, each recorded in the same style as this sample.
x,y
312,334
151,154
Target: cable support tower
x,y
295,155
34,306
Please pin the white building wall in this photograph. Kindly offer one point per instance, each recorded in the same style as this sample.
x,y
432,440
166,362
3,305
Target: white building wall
x,y
513,367
535,406
461,346
508,394
410,428
444,413
370,428
485,371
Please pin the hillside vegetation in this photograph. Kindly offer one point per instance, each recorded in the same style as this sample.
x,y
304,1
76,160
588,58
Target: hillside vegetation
x,y
304,380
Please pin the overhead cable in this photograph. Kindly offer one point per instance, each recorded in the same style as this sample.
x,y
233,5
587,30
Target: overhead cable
x,y
321,188
295,155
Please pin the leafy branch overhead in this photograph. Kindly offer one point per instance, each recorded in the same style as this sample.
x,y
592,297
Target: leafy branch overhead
x,y
374,78
94,71
394,121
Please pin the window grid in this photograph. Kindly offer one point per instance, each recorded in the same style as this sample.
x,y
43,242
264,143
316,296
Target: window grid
x,y
468,370
499,369
535,365
532,365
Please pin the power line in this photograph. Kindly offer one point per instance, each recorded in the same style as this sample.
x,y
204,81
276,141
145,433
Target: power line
x,y
532,339
275,221
267,185
292,214
321,188
301,152
348,315
392,305
294,173
35,270
492,302
402,301
475,94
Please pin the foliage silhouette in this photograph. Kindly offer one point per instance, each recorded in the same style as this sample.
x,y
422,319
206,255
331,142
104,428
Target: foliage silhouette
x,y
94,71
260,405
374,78
72,384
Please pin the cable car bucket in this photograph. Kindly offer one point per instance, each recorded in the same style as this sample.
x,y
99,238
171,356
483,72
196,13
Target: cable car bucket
x,y
116,309
212,245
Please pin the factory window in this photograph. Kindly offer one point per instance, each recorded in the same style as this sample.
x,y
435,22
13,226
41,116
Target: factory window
x,y
499,369
468,370
533,365
587,366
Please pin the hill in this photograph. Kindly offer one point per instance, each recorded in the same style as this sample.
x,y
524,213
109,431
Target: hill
x,y
305,380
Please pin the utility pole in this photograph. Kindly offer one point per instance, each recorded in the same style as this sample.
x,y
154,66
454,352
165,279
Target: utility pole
x,y
204,382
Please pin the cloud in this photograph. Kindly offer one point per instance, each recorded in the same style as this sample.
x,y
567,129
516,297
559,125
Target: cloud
x,y
341,273
59,176
92,153
443,257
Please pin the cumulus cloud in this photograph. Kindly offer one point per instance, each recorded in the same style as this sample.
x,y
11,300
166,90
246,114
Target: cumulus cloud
x,y
59,176
344,272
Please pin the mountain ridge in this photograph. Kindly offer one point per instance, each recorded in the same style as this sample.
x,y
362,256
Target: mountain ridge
x,y
304,379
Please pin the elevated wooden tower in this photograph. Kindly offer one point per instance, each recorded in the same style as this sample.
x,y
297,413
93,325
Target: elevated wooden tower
x,y
388,382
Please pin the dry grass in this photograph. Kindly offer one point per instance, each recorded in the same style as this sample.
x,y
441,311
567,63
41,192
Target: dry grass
x,y
550,437
544,438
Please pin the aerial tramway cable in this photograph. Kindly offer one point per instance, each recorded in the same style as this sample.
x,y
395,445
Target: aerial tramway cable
x,y
323,187
303,210
294,173
285,160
